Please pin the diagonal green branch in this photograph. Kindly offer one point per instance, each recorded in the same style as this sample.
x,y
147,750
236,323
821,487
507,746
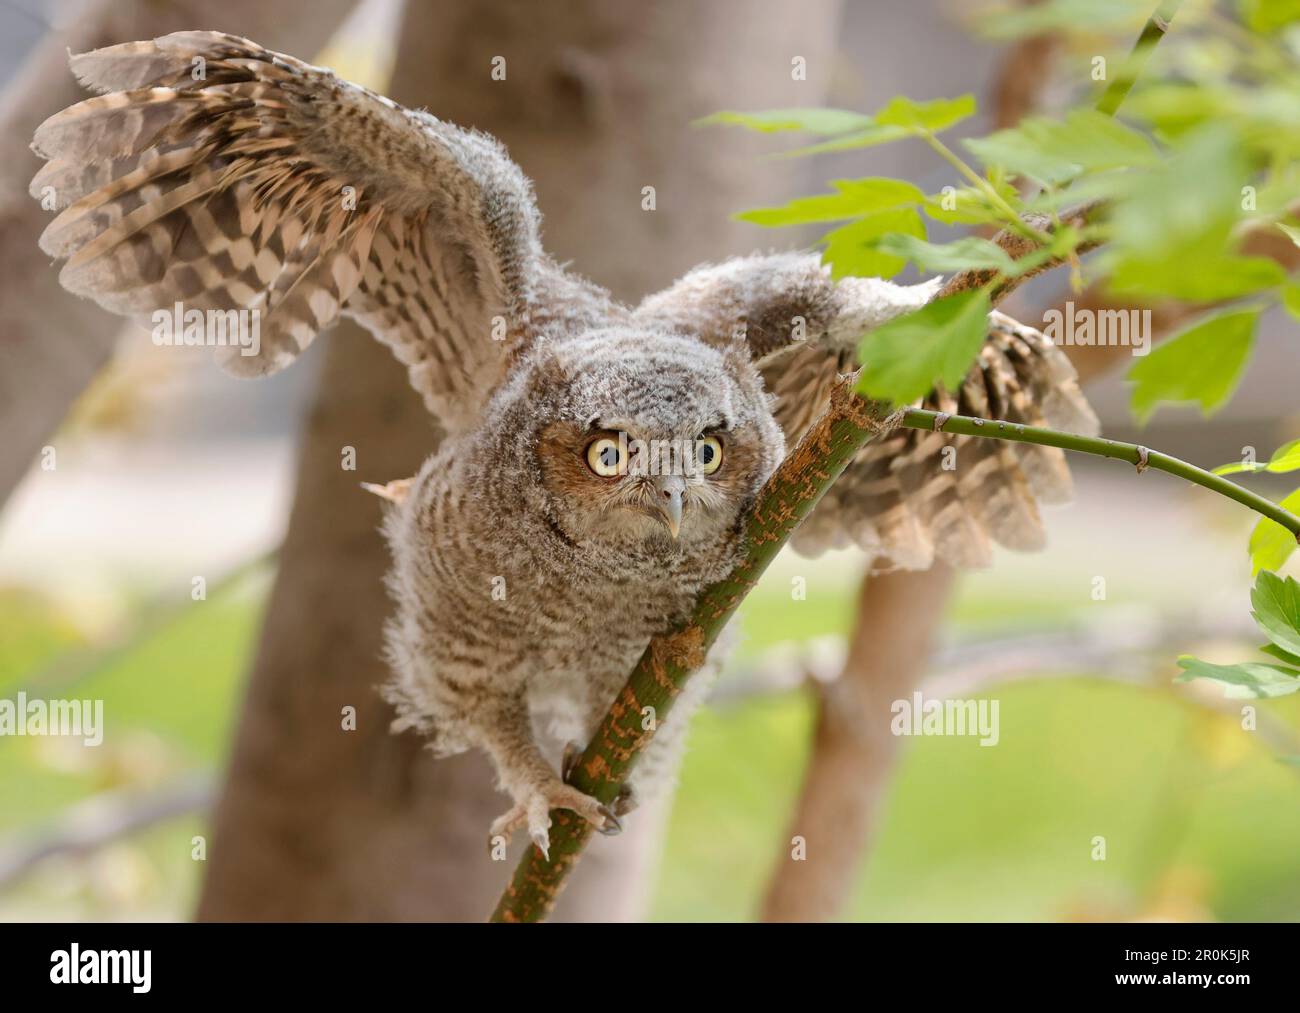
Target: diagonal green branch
x,y
1152,32
670,659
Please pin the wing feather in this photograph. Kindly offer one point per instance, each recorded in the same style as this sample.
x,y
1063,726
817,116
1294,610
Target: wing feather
x,y
216,174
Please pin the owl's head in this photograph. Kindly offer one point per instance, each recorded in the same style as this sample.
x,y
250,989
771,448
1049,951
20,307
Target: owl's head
x,y
649,438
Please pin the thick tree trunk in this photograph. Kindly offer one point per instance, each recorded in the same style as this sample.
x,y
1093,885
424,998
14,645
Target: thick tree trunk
x,y
52,343
853,750
317,822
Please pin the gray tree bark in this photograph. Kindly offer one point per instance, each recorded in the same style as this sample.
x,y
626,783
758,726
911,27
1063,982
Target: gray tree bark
x,y
320,823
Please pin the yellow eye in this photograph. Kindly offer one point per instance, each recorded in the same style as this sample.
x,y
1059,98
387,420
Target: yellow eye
x,y
708,454
607,457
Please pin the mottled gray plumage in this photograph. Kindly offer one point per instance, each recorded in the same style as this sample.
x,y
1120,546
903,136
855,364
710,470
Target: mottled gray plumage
x,y
527,581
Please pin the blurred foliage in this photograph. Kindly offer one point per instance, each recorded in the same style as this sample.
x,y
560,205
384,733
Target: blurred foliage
x,y
1200,818
1277,614
1202,154
1181,152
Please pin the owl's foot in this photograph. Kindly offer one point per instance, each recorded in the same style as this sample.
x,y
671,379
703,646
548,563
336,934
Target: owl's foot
x,y
533,812
626,799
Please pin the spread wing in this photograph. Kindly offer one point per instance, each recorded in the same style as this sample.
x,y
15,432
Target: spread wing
x,y
903,499
217,175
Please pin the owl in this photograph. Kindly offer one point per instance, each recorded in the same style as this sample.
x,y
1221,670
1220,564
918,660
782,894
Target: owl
x,y
599,458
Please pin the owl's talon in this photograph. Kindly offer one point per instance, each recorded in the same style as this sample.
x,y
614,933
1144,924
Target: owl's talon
x,y
611,827
625,801
533,812
569,759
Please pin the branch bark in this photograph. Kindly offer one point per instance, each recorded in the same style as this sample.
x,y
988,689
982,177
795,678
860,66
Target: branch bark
x,y
1018,245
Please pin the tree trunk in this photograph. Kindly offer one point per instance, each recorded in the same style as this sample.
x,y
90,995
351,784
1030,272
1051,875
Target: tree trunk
x,y
853,750
321,823
52,343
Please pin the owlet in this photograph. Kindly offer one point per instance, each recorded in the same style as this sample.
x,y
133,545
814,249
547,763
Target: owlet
x,y
599,458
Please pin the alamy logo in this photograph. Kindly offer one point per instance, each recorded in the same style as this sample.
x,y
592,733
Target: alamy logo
x,y
213,328
72,718
919,716
75,966
1088,327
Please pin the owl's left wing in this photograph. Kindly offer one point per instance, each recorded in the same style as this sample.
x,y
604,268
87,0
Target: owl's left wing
x,y
902,499
215,175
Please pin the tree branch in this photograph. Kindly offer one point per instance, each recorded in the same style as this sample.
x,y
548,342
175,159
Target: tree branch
x,y
1138,456
1152,32
1018,245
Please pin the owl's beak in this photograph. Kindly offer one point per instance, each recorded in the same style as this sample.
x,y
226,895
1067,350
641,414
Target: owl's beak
x,y
669,489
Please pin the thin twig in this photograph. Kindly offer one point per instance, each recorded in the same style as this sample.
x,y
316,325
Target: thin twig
x,y
99,820
1140,457
1152,32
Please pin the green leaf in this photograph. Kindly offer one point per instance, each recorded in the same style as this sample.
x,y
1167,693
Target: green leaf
x,y
1291,299
1285,458
1277,609
1271,544
967,206
1249,679
850,249
907,356
811,121
1172,217
1174,108
1281,655
853,198
968,253
1195,275
1203,364
1236,467
1053,151
931,117
901,117
1017,153
1269,15
866,138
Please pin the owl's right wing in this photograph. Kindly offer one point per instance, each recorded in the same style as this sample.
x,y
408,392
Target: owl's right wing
x,y
217,175
902,499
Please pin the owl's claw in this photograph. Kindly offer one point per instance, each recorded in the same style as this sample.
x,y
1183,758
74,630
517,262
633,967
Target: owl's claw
x,y
533,812
621,806
612,827
569,759
625,801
